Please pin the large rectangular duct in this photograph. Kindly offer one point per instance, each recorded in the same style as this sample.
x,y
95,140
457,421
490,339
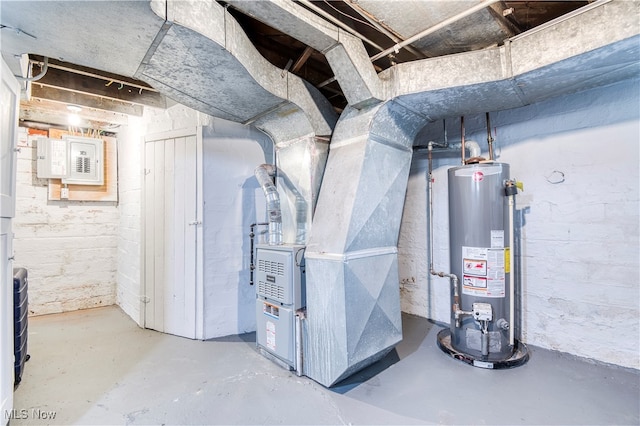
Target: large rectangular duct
x,y
353,296
300,164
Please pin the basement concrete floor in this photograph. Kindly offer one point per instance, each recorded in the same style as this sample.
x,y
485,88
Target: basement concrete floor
x,y
98,367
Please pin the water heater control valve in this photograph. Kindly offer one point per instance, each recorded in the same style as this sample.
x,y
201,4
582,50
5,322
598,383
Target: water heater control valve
x,y
482,312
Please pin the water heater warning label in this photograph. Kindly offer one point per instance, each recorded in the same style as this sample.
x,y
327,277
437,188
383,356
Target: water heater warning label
x,y
483,271
475,267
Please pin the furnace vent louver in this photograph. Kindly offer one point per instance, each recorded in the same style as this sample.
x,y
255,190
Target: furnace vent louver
x,y
270,290
276,268
269,287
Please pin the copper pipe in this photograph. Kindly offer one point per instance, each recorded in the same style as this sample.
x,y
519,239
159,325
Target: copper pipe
x,y
489,137
462,138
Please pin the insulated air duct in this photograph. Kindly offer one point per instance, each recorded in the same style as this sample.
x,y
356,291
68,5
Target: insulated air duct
x,y
264,174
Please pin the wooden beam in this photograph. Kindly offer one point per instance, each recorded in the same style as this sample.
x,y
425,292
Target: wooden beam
x,y
99,87
45,111
92,72
40,91
302,59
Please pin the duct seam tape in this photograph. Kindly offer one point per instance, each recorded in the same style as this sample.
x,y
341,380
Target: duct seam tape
x,y
349,141
344,257
285,144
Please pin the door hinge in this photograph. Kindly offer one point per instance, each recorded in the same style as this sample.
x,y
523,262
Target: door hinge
x,y
145,299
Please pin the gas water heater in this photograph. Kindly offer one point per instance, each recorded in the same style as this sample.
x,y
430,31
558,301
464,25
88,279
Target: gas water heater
x,y
481,203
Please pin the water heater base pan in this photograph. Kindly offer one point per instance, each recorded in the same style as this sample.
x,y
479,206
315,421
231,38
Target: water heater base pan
x,y
519,357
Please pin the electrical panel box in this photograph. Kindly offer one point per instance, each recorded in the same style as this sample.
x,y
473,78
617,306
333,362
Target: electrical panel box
x,y
52,158
280,291
75,160
85,161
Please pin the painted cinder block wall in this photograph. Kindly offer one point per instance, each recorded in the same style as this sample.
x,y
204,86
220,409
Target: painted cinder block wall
x,y
129,218
579,238
578,157
68,247
233,200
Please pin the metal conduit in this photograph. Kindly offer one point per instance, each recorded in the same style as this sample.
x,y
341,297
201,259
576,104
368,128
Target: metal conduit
x,y
433,29
101,77
380,27
43,72
339,23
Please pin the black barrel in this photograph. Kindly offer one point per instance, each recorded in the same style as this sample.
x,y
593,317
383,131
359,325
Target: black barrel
x,y
20,318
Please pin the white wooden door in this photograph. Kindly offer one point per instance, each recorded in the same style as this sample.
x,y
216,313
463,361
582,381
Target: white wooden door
x,y
173,230
9,96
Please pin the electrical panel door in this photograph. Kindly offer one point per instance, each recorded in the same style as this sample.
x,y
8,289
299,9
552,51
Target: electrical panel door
x,y
52,158
85,161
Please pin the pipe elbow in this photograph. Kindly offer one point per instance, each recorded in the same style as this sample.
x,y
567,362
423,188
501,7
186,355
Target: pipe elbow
x,y
474,149
264,174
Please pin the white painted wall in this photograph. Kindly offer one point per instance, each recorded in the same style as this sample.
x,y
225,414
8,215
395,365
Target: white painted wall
x,y
580,239
68,247
129,214
232,202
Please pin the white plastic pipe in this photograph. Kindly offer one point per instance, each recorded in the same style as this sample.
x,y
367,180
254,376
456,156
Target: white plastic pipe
x,y
298,345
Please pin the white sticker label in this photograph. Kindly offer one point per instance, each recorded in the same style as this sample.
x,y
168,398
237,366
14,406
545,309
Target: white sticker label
x,y
483,270
477,282
497,239
475,267
59,157
271,335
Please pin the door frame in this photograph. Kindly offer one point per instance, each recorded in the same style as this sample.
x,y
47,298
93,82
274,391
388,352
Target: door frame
x,y
199,296
7,212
